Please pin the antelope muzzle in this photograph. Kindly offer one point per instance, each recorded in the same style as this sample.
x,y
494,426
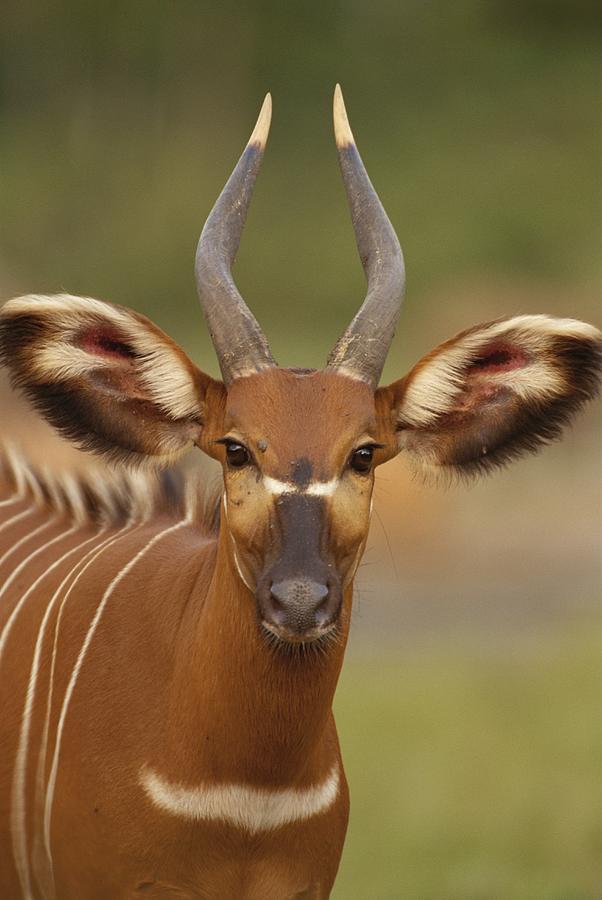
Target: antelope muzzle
x,y
299,593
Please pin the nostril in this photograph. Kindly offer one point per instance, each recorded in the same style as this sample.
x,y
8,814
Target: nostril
x,y
323,610
278,594
276,606
320,593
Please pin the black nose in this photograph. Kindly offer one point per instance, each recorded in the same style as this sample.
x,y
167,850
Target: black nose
x,y
300,606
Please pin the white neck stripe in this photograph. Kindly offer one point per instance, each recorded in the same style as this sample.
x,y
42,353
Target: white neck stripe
x,y
250,808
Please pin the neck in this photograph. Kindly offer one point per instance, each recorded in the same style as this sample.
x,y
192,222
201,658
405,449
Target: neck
x,y
243,710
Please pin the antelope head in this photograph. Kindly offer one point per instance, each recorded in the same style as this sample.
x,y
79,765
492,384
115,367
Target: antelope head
x,y
298,447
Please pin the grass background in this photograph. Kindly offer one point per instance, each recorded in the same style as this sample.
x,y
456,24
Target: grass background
x,y
473,772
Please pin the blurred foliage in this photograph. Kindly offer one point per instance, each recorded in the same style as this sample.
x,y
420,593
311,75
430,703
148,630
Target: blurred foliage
x,y
472,772
120,121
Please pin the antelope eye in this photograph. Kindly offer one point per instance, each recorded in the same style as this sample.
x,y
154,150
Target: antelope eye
x,y
237,455
361,459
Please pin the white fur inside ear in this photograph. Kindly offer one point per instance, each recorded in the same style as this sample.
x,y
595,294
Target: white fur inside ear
x,y
162,367
60,361
167,378
433,388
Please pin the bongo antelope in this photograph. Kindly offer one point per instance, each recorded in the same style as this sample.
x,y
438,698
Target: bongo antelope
x,y
168,665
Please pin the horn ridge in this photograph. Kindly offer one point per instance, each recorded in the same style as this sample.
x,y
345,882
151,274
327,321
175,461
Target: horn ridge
x,y
239,341
362,349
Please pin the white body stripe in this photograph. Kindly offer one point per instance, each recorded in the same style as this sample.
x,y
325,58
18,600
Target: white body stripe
x,y
85,564
79,662
250,808
18,824
16,571
24,539
313,489
10,501
22,515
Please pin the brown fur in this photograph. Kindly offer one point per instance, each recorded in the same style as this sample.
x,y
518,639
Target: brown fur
x,y
177,660
180,674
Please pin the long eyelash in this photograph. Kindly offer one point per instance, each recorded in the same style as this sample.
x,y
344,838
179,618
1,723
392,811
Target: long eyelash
x,y
372,445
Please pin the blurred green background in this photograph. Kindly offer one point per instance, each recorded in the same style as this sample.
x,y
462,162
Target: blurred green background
x,y
469,707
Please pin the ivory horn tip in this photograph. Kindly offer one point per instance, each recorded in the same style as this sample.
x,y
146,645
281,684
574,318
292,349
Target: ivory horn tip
x,y
259,136
342,132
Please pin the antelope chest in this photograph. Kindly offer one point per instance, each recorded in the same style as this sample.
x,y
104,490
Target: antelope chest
x,y
215,842
158,855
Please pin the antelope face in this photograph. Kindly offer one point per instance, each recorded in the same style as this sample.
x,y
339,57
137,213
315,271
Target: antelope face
x,y
298,454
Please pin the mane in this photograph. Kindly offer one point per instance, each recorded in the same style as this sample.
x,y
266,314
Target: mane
x,y
110,497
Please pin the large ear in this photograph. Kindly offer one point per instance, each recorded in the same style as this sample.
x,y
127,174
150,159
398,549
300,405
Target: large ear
x,y
104,376
494,392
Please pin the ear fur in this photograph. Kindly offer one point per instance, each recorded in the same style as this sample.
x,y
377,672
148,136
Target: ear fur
x,y
104,376
495,391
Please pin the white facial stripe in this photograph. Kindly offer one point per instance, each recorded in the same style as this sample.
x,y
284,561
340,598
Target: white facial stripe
x,y
276,487
313,489
234,549
358,556
239,569
237,563
252,809
322,488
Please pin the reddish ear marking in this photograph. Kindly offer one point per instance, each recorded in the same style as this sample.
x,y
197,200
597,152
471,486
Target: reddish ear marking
x,y
500,357
104,341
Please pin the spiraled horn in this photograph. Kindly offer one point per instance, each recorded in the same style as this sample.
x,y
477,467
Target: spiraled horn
x,y
361,351
239,342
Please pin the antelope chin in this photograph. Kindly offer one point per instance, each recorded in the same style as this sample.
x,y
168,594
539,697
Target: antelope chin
x,y
286,636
